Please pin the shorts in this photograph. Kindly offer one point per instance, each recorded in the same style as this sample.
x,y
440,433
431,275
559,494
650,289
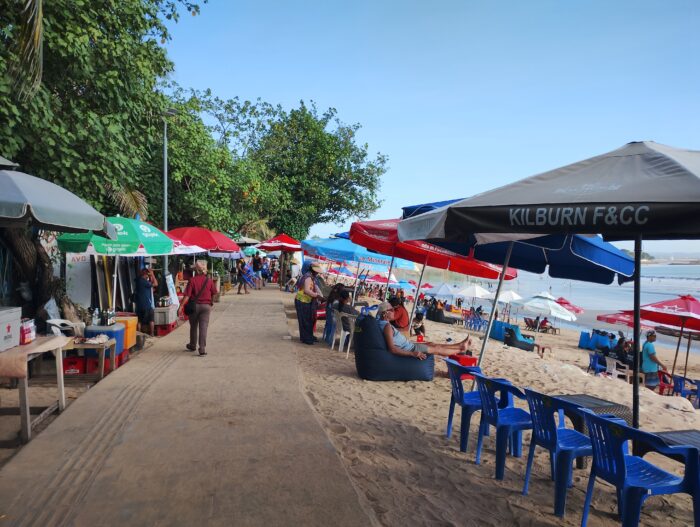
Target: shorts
x,y
420,348
651,380
258,274
145,315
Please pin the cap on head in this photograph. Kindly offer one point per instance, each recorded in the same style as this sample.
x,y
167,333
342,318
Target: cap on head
x,y
383,307
651,333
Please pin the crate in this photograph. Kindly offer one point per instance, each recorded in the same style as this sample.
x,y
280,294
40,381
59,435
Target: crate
x,y
115,331
164,329
73,365
92,365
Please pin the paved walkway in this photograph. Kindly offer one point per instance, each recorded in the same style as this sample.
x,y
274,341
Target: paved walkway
x,y
176,439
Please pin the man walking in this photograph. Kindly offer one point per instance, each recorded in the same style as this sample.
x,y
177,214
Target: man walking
x,y
145,306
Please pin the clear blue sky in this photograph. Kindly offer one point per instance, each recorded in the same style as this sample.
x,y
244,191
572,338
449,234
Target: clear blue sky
x,y
463,96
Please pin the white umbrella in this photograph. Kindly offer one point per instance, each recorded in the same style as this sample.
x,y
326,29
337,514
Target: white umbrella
x,y
541,305
473,291
506,297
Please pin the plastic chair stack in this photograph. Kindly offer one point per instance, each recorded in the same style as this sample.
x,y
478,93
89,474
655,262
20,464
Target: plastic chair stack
x,y
563,444
499,413
594,364
635,478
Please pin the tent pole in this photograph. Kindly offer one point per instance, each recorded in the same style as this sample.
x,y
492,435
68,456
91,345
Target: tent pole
x,y
687,353
388,280
637,329
495,302
415,298
678,346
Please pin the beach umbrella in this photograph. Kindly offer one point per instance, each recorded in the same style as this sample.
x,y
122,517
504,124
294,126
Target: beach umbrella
x,y
181,248
541,305
382,236
427,285
134,238
208,239
251,251
281,242
7,164
506,296
344,250
682,312
473,291
29,200
623,318
568,305
641,190
244,241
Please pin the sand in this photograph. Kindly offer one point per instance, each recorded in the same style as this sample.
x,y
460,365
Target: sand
x,y
391,439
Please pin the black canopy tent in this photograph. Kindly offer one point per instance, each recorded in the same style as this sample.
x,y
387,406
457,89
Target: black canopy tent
x,y
642,190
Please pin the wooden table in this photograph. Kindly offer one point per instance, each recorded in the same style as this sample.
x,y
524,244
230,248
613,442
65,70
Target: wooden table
x,y
14,364
595,404
101,352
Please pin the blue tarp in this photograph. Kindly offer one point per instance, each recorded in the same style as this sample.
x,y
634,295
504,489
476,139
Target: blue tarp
x,y
343,250
571,256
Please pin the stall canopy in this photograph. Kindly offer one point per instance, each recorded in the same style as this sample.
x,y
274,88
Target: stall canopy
x,y
281,242
382,236
29,200
205,238
343,250
134,238
641,190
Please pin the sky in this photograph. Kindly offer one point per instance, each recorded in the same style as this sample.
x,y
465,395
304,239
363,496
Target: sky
x,y
462,96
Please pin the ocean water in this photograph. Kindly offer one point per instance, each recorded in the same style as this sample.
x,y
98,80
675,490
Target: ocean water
x,y
658,283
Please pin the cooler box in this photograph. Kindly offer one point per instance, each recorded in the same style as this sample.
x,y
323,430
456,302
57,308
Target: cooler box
x,y
162,316
10,322
130,327
115,331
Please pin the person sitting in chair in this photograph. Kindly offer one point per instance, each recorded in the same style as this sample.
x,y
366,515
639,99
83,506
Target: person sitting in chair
x,y
400,321
398,344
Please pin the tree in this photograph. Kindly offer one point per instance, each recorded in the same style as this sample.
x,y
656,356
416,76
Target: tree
x,y
318,175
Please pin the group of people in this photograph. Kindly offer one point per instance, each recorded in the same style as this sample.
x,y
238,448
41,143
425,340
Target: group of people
x,y
256,273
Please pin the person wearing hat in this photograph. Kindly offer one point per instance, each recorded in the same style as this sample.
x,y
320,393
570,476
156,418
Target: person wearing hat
x,y
650,362
306,301
398,344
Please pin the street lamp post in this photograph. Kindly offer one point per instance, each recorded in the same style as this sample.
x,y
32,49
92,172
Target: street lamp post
x,y
168,113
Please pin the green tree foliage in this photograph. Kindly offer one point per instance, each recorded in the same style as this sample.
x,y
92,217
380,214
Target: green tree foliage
x,y
95,126
319,175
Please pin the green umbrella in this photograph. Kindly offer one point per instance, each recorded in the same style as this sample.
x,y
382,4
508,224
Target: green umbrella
x,y
134,238
250,251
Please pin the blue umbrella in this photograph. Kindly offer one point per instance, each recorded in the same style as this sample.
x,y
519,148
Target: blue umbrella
x,y
341,249
568,256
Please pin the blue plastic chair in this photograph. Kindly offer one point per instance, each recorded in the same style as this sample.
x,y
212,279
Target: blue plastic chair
x,y
680,388
564,444
368,309
508,420
633,477
469,401
595,364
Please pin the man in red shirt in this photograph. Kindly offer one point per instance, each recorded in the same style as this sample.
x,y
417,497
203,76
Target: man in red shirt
x,y
201,290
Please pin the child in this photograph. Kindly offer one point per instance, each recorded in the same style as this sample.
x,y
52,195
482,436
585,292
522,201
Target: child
x,y
418,327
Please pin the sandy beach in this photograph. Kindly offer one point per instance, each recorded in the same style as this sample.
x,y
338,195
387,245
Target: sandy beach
x,y
391,439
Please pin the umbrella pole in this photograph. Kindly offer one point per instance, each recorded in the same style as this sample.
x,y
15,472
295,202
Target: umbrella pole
x,y
114,283
678,346
495,302
687,353
354,287
388,279
415,298
637,329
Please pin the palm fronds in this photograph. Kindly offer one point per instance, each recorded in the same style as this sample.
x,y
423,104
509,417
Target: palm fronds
x,y
28,69
129,201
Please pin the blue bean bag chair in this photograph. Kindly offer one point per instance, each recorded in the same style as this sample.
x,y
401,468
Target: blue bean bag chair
x,y
376,363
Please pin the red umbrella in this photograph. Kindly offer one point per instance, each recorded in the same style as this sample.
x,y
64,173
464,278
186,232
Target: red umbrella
x,y
683,312
382,236
563,302
204,238
625,318
412,282
380,279
427,286
281,242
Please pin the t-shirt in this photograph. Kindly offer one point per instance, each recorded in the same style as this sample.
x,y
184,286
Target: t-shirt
x,y
257,264
649,366
400,341
144,294
400,317
195,284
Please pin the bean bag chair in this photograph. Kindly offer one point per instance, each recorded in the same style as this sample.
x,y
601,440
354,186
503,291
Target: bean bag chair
x,y
376,363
